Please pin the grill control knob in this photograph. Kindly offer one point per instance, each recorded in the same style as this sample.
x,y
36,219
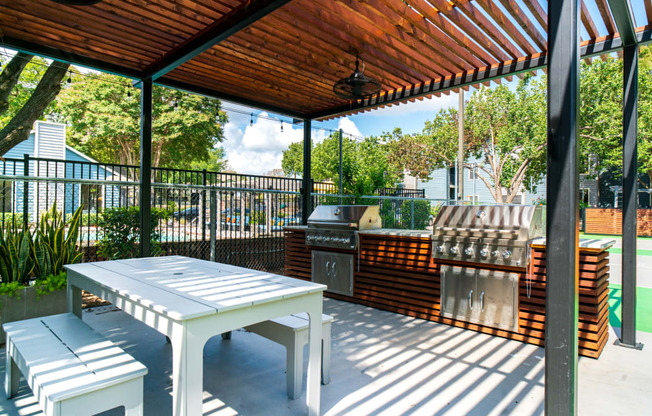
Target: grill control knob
x,y
484,252
454,250
494,253
507,254
468,251
440,249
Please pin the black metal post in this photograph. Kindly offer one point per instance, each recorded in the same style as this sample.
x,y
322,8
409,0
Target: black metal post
x,y
562,276
25,192
630,200
341,169
203,206
306,206
145,193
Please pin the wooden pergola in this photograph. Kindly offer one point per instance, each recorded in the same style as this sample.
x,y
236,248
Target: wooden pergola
x,y
285,55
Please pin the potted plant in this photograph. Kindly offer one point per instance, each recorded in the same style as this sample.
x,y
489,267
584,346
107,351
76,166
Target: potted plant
x,y
31,266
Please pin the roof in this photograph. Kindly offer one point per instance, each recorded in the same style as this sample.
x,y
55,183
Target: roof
x,y
284,56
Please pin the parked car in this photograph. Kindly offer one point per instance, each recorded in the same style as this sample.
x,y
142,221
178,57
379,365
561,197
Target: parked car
x,y
187,214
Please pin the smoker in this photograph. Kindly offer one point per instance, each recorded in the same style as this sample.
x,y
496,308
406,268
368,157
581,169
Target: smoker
x,y
334,230
482,250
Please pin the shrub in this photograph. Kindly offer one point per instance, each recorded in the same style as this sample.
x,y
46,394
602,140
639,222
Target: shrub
x,y
25,254
121,232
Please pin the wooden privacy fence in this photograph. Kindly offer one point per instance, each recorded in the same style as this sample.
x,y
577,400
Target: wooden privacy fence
x,y
610,221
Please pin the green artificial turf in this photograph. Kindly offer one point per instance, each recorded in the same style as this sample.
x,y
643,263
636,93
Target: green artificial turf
x,y
639,252
643,307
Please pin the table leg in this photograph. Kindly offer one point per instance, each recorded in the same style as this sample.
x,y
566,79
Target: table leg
x,y
187,374
314,360
74,299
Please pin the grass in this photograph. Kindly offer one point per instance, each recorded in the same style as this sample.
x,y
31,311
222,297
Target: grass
x,y
643,307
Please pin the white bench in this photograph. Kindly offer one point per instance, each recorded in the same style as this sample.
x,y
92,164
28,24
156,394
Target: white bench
x,y
292,332
71,369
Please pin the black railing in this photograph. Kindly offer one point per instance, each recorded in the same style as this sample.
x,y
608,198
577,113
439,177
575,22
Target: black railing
x,y
225,217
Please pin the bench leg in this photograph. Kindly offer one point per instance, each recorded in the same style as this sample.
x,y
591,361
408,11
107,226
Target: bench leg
x,y
326,355
136,408
294,367
12,373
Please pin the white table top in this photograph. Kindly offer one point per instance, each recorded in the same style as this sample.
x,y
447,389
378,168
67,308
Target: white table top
x,y
185,288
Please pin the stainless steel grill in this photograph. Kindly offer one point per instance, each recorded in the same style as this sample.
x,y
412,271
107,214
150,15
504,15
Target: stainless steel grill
x,y
485,234
470,237
336,226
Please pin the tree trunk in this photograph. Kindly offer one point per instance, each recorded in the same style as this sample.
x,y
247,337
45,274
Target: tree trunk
x,y
10,76
19,127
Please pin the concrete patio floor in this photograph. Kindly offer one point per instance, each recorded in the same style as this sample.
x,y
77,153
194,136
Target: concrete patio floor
x,y
382,364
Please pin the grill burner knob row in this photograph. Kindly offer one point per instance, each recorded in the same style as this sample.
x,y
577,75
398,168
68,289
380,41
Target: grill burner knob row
x,y
468,251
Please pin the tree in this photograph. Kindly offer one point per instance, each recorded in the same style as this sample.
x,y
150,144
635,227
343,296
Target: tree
x,y
22,99
503,128
103,112
365,164
216,161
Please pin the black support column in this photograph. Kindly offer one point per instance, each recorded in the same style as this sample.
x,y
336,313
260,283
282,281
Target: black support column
x,y
563,209
145,167
306,206
630,193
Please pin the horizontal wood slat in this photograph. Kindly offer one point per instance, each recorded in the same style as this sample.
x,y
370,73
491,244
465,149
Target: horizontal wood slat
x,y
610,221
398,274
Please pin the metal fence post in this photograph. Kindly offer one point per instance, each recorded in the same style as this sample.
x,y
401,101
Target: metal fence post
x,y
203,206
213,222
26,192
412,214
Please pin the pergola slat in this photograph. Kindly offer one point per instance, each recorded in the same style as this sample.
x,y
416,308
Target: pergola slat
x,y
483,23
288,57
230,24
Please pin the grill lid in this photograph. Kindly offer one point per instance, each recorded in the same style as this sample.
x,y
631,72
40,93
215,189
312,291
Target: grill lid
x,y
361,217
511,222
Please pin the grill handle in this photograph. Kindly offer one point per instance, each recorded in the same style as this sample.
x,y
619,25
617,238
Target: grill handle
x,y
332,224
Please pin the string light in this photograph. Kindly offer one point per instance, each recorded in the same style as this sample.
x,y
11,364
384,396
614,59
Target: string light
x,y
281,126
224,108
251,120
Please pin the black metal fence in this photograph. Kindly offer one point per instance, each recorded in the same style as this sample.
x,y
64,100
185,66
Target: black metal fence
x,y
225,217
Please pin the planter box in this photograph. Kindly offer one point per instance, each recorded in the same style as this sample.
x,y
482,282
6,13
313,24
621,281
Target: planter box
x,y
28,306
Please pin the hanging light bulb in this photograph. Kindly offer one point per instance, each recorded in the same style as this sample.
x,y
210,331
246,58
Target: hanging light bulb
x,y
128,93
69,81
281,126
251,120
176,104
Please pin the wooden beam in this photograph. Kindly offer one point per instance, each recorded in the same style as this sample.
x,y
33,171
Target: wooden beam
x,y
230,24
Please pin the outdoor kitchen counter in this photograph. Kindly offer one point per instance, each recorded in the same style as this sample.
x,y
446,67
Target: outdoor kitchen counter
x,y
395,271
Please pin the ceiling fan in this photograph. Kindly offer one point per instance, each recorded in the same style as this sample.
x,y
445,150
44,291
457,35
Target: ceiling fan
x,y
358,85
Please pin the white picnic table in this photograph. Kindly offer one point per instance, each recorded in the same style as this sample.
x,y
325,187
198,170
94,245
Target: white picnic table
x,y
190,301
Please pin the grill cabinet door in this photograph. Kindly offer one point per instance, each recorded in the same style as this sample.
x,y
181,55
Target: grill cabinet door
x,y
334,270
458,292
497,294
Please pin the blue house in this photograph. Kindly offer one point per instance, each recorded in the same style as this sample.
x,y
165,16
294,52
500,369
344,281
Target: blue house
x,y
74,178
441,185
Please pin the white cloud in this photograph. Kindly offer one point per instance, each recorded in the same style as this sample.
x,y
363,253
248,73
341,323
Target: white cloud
x,y
348,127
258,148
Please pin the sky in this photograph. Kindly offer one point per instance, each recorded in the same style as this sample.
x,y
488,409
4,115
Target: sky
x,y
257,147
